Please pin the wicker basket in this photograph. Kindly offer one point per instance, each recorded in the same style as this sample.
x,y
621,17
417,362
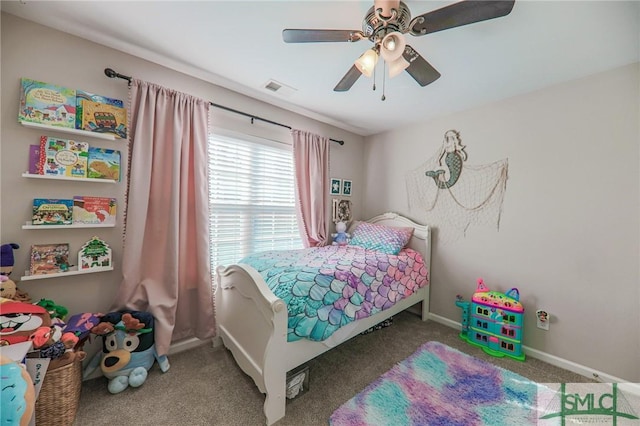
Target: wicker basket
x,y
59,396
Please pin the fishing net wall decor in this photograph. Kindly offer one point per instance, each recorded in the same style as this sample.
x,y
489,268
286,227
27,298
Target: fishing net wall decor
x,y
455,195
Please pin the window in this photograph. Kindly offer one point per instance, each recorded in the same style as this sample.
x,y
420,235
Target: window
x,y
251,197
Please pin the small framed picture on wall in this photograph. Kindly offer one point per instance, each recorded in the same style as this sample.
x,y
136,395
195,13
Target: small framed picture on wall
x,y
335,186
346,187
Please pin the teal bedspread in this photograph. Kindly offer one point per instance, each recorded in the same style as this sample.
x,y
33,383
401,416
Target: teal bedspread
x,y
328,287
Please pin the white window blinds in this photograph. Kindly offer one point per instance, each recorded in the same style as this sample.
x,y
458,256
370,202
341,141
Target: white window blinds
x,y
251,193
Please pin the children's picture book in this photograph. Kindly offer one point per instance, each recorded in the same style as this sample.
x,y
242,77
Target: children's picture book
x,y
94,210
50,211
82,95
104,118
64,157
95,253
103,164
49,258
36,160
48,104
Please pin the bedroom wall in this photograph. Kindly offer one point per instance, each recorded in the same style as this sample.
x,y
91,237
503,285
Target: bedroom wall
x,y
569,231
34,51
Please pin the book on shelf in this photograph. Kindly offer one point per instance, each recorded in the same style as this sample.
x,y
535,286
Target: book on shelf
x,y
47,104
94,210
103,164
50,211
104,118
81,95
95,253
63,157
36,160
49,258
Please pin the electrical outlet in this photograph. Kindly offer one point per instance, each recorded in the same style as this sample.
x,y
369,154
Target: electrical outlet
x,y
542,319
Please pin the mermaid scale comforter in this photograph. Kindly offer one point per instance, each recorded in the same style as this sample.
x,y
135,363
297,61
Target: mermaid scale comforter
x,y
328,287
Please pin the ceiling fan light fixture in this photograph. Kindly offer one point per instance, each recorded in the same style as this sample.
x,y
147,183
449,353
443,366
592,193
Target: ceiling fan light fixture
x,y
392,46
397,66
367,62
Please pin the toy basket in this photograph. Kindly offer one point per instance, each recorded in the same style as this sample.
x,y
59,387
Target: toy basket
x,y
59,396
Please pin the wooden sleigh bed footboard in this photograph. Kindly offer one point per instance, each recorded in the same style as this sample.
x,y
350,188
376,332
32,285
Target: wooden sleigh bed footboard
x,y
252,323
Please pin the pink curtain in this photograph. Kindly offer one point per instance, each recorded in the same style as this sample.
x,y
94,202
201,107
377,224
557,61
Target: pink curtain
x,y
311,161
166,266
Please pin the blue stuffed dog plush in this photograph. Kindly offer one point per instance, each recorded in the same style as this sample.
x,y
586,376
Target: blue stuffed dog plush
x,y
128,349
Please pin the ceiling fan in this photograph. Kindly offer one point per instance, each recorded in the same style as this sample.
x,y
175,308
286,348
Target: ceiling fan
x,y
385,24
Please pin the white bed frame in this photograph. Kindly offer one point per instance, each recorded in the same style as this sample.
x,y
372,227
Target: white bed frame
x,y
252,322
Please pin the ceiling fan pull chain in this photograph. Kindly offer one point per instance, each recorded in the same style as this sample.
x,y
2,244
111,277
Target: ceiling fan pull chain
x,y
374,78
384,65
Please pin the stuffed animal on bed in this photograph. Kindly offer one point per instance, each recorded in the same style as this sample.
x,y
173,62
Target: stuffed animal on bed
x,y
128,349
341,237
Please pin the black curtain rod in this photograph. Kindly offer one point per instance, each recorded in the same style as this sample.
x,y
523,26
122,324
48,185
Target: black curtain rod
x,y
112,74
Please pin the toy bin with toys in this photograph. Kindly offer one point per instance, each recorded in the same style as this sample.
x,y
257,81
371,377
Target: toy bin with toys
x,y
493,321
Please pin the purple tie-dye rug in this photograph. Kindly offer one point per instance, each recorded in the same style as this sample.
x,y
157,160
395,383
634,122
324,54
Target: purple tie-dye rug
x,y
439,385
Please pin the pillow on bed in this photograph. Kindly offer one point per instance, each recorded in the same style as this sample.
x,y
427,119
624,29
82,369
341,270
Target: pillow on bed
x,y
387,239
352,226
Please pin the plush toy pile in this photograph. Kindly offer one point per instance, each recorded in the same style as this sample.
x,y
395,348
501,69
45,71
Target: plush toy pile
x,y
128,349
52,336
44,323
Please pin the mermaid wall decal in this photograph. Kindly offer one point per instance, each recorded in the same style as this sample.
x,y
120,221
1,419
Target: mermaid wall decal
x,y
454,155
454,194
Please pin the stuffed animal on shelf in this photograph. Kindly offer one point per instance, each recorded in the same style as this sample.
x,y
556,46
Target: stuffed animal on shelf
x,y
128,349
341,237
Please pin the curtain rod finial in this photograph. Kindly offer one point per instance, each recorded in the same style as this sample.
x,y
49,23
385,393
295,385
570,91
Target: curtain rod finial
x,y
110,73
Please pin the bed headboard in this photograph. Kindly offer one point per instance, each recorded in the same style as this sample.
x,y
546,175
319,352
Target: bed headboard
x,y
421,240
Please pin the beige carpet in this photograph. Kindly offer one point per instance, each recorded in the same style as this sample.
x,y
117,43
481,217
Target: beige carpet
x,y
205,387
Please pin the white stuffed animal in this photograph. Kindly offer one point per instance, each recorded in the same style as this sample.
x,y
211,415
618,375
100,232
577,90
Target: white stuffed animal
x,y
341,237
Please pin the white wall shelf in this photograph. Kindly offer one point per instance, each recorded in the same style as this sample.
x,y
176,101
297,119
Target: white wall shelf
x,y
29,225
71,271
75,179
106,136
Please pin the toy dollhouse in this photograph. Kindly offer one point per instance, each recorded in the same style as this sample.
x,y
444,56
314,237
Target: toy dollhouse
x,y
493,321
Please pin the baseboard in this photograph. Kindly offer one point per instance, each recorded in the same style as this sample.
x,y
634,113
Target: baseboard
x,y
186,344
444,321
556,361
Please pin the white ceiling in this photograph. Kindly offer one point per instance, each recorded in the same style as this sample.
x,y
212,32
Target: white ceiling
x,y
238,44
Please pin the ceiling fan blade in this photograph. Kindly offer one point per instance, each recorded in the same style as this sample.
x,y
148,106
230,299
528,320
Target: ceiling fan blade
x,y
348,80
316,36
458,14
419,68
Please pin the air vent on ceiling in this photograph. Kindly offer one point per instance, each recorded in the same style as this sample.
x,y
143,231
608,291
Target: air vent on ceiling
x,y
273,86
279,89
